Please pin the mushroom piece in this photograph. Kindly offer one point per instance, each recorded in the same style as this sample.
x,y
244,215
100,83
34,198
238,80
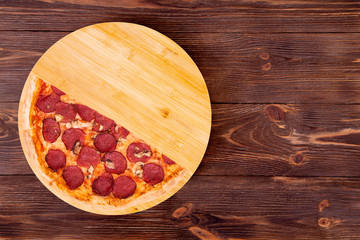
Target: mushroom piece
x,y
110,164
141,153
138,169
90,172
77,148
58,117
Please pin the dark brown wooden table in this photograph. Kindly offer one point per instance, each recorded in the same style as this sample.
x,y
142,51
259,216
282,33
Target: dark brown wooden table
x,y
283,160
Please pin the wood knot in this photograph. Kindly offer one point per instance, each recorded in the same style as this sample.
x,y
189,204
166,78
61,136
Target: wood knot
x,y
297,159
266,66
165,112
183,211
203,234
118,95
2,124
275,113
324,203
324,222
264,56
129,54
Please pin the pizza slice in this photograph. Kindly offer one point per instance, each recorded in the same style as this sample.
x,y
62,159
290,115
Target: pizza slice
x,y
88,157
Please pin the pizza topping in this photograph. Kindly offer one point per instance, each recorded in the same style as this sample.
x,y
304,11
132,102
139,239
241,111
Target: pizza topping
x,y
77,148
73,176
167,160
103,185
55,159
88,156
138,169
85,112
102,123
67,111
105,142
139,173
90,172
58,117
68,125
51,130
115,162
138,152
109,164
153,173
57,91
119,132
124,187
100,128
71,136
47,103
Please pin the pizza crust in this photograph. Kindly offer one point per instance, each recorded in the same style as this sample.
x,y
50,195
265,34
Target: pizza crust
x,y
96,203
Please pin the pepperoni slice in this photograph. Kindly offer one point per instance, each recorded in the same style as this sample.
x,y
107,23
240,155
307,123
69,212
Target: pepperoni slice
x,y
102,123
66,110
138,152
57,91
124,187
71,136
55,159
167,160
153,173
103,185
105,142
85,112
88,156
118,131
51,130
47,103
73,176
115,162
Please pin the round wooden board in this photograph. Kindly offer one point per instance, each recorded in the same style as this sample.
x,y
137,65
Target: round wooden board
x,y
137,77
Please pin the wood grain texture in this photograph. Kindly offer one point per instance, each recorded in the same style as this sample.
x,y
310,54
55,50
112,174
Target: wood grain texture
x,y
302,55
251,139
232,65
185,16
240,208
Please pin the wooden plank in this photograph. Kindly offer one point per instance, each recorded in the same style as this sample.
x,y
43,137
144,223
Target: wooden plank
x,y
238,68
187,5
184,16
235,207
251,139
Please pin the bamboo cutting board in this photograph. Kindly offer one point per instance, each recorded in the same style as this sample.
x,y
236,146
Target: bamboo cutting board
x,y
139,78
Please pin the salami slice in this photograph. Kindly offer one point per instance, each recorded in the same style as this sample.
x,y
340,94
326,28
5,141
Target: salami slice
x,y
153,173
73,176
67,111
55,159
115,162
57,91
124,187
51,130
102,123
105,142
47,103
118,131
71,136
167,160
86,113
103,185
87,157
138,152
